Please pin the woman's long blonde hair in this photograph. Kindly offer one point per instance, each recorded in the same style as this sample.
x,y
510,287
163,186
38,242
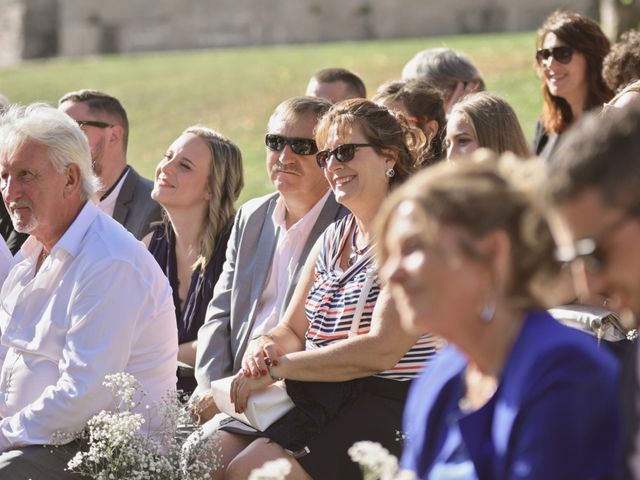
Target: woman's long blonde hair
x,y
225,183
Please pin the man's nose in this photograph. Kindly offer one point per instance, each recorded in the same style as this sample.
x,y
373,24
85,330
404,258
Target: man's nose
x,y
287,156
11,190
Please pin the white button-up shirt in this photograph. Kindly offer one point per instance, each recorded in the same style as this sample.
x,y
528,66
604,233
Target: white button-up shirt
x,y
98,305
6,260
289,246
108,205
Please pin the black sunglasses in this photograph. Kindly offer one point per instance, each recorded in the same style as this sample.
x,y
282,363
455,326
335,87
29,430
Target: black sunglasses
x,y
300,146
93,123
561,54
342,153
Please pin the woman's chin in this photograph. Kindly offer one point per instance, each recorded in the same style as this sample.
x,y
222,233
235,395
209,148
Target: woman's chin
x,y
411,322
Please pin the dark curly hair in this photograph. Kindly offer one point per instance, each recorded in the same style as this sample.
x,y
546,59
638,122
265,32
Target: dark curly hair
x,y
424,103
622,65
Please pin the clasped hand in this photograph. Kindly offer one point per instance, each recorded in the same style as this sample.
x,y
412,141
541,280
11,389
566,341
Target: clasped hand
x,y
253,376
259,352
242,386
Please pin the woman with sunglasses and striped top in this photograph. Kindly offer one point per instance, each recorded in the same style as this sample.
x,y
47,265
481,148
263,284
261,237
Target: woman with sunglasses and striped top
x,y
569,58
346,361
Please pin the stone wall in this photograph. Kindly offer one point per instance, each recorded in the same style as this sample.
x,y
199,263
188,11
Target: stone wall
x,y
92,26
28,29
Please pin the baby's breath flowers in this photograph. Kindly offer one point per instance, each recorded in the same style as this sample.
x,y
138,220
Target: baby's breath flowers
x,y
273,470
120,447
376,463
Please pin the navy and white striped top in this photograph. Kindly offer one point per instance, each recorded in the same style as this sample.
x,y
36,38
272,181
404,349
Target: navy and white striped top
x,y
332,300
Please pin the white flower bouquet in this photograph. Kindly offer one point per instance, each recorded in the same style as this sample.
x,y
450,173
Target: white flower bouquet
x,y
273,470
376,463
120,448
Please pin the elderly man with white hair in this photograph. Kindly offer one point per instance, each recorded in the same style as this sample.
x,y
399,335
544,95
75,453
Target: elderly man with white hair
x,y
84,300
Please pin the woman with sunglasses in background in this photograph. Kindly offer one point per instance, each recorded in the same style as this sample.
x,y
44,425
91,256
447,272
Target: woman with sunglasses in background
x,y
423,106
515,395
569,58
196,183
346,362
483,120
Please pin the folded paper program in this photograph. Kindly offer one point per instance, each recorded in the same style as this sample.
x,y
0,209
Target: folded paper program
x,y
263,408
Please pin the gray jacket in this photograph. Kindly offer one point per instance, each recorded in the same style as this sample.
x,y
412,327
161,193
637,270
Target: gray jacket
x,y
134,209
230,316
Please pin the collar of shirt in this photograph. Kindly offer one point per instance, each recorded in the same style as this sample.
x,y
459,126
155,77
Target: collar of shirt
x,y
108,204
70,240
308,220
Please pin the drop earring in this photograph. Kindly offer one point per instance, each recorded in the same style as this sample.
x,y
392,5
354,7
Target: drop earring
x,y
488,312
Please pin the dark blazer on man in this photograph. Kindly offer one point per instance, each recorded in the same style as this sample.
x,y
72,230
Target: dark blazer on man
x,y
230,316
134,209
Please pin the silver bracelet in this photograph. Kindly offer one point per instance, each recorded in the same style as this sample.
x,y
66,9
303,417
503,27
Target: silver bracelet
x,y
267,361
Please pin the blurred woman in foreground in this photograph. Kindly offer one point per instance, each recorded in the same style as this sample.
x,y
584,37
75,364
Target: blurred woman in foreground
x,y
515,394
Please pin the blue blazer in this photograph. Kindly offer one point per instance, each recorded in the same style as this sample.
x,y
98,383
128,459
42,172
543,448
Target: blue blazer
x,y
555,414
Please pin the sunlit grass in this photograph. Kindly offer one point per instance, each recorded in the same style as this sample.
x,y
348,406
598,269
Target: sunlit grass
x,y
234,90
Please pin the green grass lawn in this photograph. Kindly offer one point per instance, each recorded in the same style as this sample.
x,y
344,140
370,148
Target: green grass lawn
x,y
235,90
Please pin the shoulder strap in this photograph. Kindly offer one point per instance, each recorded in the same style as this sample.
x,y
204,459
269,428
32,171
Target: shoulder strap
x,y
362,300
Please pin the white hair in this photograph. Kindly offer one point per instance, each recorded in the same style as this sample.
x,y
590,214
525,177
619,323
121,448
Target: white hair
x,y
43,124
4,102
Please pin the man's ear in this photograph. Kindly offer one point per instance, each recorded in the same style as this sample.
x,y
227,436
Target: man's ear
x,y
73,179
116,135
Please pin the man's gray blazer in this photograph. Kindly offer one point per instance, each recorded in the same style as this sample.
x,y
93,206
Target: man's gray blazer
x,y
230,316
134,209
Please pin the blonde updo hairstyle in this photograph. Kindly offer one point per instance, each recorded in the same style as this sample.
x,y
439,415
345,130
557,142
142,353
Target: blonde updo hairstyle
x,y
480,194
389,133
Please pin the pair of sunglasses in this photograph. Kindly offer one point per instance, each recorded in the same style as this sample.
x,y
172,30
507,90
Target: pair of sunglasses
x,y
342,153
561,54
300,146
588,250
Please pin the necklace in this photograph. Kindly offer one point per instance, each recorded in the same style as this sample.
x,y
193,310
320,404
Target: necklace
x,y
355,251
43,255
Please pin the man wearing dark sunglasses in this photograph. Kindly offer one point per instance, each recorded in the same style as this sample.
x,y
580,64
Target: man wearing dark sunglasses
x,y
594,213
269,243
125,195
